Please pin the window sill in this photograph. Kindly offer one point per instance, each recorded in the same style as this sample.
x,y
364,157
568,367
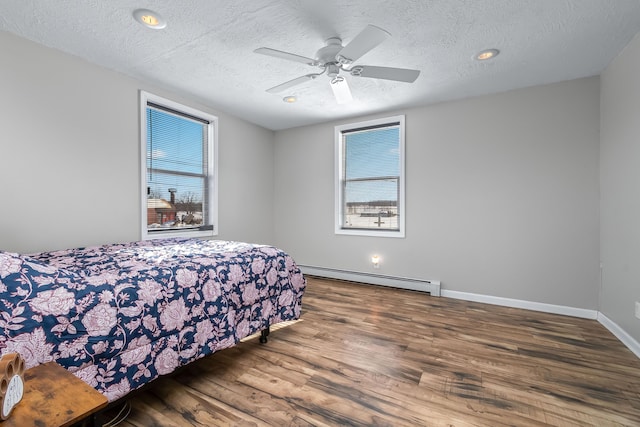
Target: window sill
x,y
370,233
169,234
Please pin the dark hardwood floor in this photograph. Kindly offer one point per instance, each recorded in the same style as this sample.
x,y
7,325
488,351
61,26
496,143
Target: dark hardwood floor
x,y
374,356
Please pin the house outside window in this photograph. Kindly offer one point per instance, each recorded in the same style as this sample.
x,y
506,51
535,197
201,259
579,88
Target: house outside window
x,y
179,173
370,178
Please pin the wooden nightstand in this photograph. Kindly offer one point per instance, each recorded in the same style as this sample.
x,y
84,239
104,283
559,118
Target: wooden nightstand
x,y
54,397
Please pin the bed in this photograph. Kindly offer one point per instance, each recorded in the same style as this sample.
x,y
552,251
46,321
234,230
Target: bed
x,y
118,316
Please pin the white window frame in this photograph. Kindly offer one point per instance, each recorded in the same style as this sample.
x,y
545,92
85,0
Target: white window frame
x,y
212,168
339,178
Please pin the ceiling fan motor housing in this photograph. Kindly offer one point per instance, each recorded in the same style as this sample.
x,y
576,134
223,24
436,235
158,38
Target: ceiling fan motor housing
x,y
327,55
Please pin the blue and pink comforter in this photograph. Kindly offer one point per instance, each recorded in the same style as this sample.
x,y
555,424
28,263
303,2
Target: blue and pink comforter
x,y
119,316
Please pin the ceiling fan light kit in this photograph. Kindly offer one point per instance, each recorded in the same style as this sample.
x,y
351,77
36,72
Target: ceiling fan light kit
x,y
333,58
341,90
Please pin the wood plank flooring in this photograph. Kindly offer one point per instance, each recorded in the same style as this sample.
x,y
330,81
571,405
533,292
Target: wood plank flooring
x,y
364,355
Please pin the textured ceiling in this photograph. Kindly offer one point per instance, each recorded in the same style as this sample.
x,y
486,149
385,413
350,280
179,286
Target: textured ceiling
x,y
206,50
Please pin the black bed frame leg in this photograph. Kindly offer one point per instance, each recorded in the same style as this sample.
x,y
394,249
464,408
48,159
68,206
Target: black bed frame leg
x,y
263,335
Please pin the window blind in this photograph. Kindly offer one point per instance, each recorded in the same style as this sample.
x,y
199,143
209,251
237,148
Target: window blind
x,y
176,169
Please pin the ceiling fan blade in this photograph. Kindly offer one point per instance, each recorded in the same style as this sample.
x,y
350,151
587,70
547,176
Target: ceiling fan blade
x,y
292,83
386,73
341,90
368,38
285,55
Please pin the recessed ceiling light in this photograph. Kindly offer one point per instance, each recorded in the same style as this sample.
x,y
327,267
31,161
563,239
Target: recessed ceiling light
x,y
290,99
487,54
149,19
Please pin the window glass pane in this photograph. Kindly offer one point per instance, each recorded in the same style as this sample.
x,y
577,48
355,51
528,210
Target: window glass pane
x,y
175,201
371,187
381,191
372,153
176,171
371,204
175,143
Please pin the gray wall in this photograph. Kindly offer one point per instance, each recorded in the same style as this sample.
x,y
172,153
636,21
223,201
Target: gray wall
x,y
620,189
69,156
502,190
502,197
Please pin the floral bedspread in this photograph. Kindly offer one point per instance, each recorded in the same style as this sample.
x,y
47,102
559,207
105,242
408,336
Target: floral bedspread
x,y
119,316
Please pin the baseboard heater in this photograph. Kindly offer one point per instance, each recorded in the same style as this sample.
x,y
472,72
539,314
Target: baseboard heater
x,y
431,286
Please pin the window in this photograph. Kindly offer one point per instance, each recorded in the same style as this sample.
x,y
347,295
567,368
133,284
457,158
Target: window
x,y
370,178
179,182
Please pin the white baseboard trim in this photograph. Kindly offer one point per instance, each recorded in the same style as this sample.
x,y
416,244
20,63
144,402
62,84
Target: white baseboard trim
x,y
527,305
620,333
431,286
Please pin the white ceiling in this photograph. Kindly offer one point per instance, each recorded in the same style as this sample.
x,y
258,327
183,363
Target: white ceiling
x,y
206,50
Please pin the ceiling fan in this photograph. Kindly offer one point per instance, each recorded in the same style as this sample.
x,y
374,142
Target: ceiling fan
x,y
334,57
